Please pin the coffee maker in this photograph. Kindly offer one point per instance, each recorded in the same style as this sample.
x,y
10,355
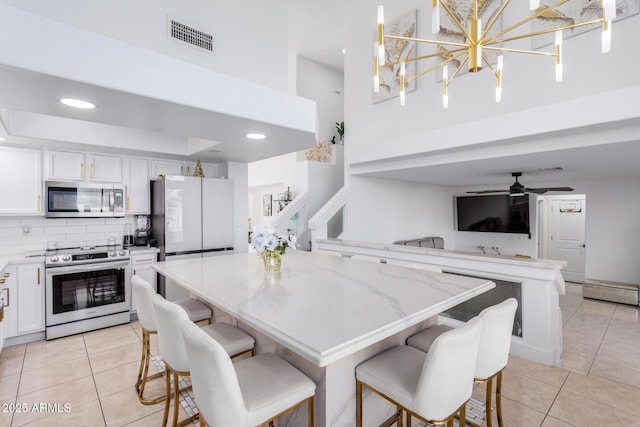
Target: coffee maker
x,y
143,230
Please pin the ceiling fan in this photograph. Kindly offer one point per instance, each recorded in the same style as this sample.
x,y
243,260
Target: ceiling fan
x,y
518,189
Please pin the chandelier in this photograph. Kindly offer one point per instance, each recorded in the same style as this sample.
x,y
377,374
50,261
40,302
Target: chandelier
x,y
478,40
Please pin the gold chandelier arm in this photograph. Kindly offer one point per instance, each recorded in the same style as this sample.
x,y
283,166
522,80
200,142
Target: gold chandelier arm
x,y
546,31
454,19
439,64
455,73
486,61
540,11
531,52
413,39
494,19
431,55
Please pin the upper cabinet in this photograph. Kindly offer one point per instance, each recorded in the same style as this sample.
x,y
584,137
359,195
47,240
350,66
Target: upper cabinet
x,y
178,168
20,173
72,166
136,180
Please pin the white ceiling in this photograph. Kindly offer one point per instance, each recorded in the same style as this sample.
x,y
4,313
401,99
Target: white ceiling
x,y
121,118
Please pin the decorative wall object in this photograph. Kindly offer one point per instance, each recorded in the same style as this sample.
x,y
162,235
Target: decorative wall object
x,y
321,153
450,32
267,207
573,12
397,50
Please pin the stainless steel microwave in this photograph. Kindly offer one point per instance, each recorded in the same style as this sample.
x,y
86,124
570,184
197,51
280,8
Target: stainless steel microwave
x,y
83,200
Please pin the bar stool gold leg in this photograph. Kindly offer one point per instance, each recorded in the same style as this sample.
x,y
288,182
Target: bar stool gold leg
x,y
487,403
143,373
310,414
463,415
499,399
358,403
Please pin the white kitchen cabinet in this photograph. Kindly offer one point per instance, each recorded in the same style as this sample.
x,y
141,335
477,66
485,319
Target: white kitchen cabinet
x,y
74,166
104,168
141,265
178,168
136,180
166,168
30,298
9,298
21,175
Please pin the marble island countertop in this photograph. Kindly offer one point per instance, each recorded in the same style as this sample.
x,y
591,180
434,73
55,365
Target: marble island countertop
x,y
319,306
499,259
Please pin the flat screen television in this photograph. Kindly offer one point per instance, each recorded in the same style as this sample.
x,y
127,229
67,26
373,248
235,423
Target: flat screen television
x,y
493,214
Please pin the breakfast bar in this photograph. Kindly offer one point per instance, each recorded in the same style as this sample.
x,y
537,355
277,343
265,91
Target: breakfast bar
x,y
324,314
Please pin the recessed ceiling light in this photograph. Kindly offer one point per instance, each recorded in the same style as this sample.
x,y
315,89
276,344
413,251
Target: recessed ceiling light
x,y
78,103
344,51
255,136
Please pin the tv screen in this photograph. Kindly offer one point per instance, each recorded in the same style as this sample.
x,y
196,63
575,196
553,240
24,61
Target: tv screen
x,y
493,214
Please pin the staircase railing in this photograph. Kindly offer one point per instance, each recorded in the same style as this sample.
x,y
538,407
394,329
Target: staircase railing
x,y
329,222
292,217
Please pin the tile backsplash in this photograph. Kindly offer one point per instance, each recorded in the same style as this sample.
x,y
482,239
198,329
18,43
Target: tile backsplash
x,y
18,235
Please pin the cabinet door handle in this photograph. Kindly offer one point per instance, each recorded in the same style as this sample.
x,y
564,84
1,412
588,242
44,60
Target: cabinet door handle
x,y
188,170
91,171
128,203
181,170
7,302
134,272
38,275
82,170
145,260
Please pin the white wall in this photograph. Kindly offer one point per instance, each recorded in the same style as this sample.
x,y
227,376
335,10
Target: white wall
x,y
384,211
250,37
384,130
613,228
326,87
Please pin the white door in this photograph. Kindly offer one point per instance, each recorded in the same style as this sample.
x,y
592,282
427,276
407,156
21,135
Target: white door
x,y
217,213
183,214
567,234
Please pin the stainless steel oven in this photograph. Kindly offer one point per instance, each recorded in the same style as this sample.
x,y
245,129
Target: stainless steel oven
x,y
86,289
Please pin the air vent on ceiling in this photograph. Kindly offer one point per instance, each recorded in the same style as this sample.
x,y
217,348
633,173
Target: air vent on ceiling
x,y
190,35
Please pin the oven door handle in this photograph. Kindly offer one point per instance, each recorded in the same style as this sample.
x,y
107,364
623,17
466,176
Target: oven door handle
x,y
85,267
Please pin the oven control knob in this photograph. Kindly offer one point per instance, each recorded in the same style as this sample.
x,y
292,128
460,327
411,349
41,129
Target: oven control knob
x,y
66,258
112,253
54,258
122,253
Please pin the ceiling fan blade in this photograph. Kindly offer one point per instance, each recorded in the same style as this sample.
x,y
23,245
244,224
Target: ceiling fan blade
x,y
544,190
487,191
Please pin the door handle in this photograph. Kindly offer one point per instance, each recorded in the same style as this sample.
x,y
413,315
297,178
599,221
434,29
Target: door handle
x,y
38,275
7,302
82,170
91,171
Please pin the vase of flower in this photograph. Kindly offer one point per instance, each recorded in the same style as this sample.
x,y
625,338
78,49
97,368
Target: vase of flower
x,y
271,246
272,260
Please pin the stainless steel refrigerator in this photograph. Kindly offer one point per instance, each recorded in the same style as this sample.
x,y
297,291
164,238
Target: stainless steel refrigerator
x,y
190,217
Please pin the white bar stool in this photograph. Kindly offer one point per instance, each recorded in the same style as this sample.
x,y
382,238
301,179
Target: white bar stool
x,y
143,294
432,387
170,317
493,353
250,392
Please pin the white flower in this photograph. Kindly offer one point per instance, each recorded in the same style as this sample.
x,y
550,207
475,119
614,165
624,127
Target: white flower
x,y
267,239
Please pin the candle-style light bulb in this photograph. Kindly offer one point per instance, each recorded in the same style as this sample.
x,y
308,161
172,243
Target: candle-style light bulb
x,y
445,86
381,52
559,68
606,36
534,4
435,17
499,78
402,83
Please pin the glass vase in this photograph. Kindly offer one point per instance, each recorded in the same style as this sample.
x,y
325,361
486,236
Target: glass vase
x,y
272,260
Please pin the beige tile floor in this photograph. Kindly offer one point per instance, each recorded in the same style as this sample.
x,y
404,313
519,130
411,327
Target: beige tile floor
x,y
598,384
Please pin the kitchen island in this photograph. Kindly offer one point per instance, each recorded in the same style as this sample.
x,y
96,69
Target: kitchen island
x,y
324,314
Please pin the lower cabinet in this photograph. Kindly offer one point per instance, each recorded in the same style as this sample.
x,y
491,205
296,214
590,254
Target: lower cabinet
x,y
141,265
23,296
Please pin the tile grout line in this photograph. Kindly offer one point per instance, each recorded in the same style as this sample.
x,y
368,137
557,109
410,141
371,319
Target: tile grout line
x,y
602,340
93,378
15,401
